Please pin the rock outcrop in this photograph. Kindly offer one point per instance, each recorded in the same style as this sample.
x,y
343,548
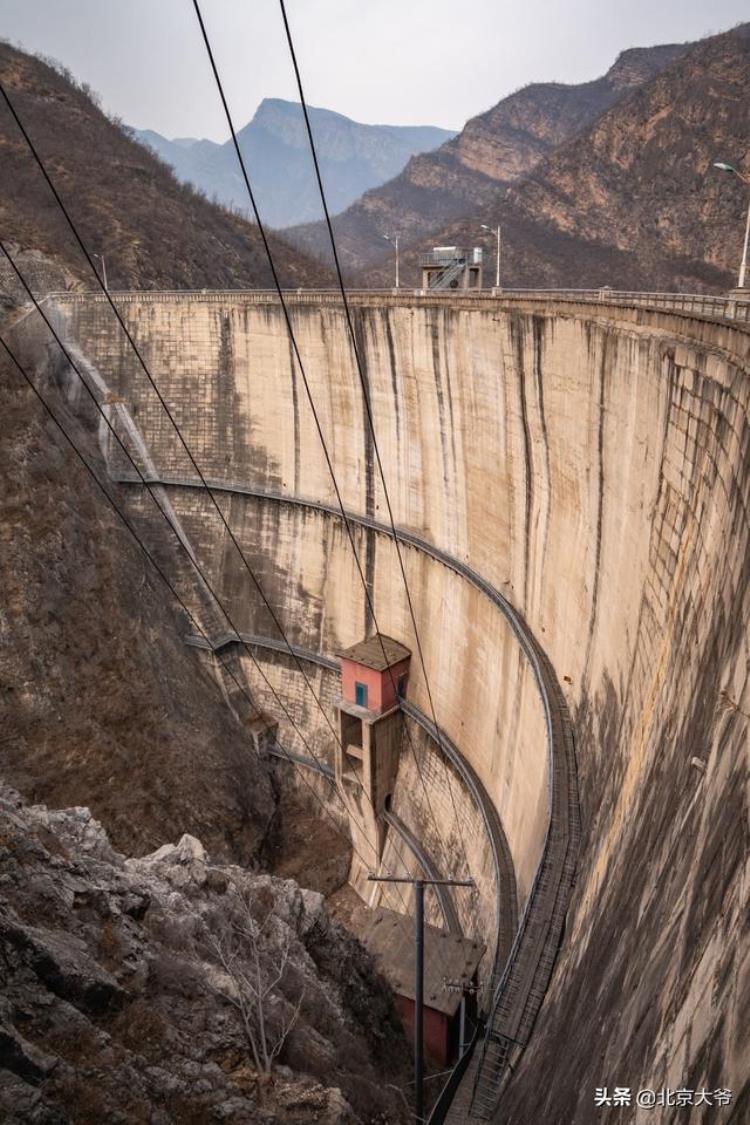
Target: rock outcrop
x,y
632,200
493,150
116,1006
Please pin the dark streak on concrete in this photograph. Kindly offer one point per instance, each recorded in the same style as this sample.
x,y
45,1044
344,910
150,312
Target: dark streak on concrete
x,y
603,371
370,549
359,320
517,325
448,393
393,365
539,324
516,332
295,411
437,352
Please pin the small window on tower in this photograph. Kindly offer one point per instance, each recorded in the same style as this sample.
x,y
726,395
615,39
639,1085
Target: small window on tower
x,y
401,686
360,694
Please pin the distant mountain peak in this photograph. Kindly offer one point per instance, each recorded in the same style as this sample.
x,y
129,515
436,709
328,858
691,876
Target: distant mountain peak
x,y
636,65
353,157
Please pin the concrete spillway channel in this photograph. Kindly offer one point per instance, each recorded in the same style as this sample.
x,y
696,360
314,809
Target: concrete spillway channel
x,y
526,951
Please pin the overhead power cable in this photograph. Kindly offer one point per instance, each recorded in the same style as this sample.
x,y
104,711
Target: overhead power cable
x,y
182,440
164,404
193,561
367,404
144,481
308,392
175,594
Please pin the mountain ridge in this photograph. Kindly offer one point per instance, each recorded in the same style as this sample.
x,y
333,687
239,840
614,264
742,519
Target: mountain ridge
x,y
493,150
353,156
632,201
153,231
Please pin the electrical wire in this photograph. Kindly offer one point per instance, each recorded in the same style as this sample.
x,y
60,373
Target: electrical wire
x,y
298,357
367,403
162,401
182,440
193,462
175,594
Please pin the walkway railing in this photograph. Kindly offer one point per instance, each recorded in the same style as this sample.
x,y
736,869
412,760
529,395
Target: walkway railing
x,y
735,309
702,304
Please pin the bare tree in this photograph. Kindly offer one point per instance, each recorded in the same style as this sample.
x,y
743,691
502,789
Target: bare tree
x,y
253,948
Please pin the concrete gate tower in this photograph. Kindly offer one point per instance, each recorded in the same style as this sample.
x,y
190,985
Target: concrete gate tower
x,y
374,676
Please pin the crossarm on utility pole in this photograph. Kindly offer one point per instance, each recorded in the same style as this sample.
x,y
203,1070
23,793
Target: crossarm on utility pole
x,y
419,886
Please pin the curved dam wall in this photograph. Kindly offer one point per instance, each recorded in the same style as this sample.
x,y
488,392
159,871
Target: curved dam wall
x,y
590,462
253,425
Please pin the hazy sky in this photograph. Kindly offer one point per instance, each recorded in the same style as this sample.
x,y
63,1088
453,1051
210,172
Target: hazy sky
x,y
410,62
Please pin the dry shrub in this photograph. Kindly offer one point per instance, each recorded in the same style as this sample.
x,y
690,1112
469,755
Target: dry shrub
x,y
172,974
87,1102
82,1046
141,1028
110,945
187,1109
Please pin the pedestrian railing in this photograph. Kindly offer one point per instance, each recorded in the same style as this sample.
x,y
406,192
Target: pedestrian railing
x,y
732,308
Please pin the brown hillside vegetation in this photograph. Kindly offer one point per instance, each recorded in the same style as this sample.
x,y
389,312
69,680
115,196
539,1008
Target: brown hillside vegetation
x,y
632,201
641,181
154,232
101,702
493,150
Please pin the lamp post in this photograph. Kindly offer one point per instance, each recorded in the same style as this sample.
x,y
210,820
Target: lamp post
x,y
104,269
394,242
722,166
497,256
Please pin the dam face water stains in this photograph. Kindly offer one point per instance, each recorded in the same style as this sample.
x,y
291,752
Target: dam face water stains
x,y
602,481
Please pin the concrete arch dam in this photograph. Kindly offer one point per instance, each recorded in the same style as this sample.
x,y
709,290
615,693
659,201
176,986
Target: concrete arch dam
x,y
570,484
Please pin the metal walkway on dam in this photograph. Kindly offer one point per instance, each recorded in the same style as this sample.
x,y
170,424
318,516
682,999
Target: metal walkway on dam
x,y
525,953
685,340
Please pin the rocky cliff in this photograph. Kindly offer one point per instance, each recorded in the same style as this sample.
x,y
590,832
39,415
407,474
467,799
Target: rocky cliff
x,y
631,201
121,988
493,150
640,183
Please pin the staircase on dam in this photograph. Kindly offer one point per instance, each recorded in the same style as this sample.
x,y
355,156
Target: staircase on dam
x,y
443,279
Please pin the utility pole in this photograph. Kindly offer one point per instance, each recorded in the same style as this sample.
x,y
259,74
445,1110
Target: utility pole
x,y
394,242
724,167
419,886
497,253
104,269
